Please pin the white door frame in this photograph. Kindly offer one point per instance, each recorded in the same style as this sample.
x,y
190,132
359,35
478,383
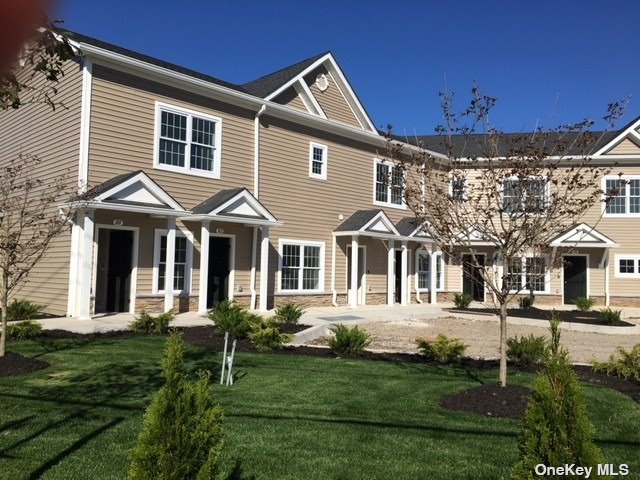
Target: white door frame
x,y
362,291
232,262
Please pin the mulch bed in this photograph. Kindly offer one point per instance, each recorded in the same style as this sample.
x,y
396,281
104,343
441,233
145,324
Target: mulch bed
x,y
15,364
570,316
491,400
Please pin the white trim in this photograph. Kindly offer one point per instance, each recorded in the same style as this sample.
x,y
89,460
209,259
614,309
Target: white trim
x,y
384,218
159,232
75,254
203,273
584,230
361,297
623,256
484,286
217,139
524,198
250,199
265,243
231,287
523,273
562,272
302,243
325,159
391,165
85,124
347,101
308,98
631,129
440,256
627,196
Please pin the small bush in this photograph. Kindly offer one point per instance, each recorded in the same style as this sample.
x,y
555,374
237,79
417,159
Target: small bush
x,y
146,323
584,304
462,300
289,313
23,330
265,335
610,317
349,342
625,364
526,302
443,349
23,310
526,351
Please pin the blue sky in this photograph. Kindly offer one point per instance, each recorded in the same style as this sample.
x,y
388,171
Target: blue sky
x,y
547,62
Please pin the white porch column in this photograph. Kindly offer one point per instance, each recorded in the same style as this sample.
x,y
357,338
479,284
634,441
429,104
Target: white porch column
x,y
74,261
86,264
433,276
353,288
170,264
264,269
607,293
403,272
391,257
254,259
204,267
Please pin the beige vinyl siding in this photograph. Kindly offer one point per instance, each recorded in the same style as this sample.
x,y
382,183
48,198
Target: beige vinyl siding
x,y
291,99
625,147
122,136
332,100
54,136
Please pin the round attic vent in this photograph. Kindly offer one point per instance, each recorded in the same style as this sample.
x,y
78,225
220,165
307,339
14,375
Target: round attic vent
x,y
322,82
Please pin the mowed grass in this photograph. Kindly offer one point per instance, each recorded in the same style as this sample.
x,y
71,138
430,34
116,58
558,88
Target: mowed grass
x,y
287,417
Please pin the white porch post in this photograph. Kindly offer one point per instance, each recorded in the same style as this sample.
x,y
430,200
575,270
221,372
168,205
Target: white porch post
x,y
252,277
170,264
391,273
86,264
353,291
607,293
204,267
433,276
264,268
403,273
74,260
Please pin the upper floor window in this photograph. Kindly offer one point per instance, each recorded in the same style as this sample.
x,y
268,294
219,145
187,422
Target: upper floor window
x,y
389,184
301,266
187,141
318,161
524,196
623,196
458,189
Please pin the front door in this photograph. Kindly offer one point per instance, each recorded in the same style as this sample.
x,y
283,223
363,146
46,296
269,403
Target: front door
x,y
472,282
119,270
218,281
398,277
361,269
575,278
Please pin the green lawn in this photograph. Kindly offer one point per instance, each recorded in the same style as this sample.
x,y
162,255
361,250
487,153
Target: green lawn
x,y
285,418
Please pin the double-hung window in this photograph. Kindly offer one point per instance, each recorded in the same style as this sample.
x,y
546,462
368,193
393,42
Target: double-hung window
x,y
628,266
458,189
182,262
389,184
301,266
187,141
423,270
524,196
526,274
622,196
318,161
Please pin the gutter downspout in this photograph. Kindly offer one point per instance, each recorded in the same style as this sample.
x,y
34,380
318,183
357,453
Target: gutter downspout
x,y
256,183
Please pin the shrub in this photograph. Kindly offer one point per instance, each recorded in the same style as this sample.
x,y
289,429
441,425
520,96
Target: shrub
x,y
182,429
625,364
526,302
462,300
23,330
443,349
23,310
610,317
349,342
584,304
146,323
289,313
556,430
526,351
265,335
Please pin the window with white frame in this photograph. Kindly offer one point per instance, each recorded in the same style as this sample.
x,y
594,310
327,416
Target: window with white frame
x,y
622,195
182,262
458,189
302,266
318,161
628,266
524,195
527,273
187,141
423,270
389,184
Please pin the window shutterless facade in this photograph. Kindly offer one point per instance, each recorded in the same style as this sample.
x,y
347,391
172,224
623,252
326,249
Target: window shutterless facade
x,y
622,196
318,156
388,185
526,273
423,271
182,262
527,195
627,266
187,141
301,266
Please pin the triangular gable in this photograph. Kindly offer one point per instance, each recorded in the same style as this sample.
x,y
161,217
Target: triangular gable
x,y
628,146
380,224
473,236
241,205
584,236
135,189
620,144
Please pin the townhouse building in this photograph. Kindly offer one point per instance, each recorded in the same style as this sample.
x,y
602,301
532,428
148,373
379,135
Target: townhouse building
x,y
272,191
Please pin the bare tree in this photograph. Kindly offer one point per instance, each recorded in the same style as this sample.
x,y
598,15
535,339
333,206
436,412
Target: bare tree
x,y
29,222
502,195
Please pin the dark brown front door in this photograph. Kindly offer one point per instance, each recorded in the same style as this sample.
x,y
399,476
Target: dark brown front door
x,y
472,282
575,278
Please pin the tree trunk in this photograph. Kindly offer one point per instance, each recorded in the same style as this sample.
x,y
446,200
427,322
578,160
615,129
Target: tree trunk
x,y
230,372
4,300
503,345
224,357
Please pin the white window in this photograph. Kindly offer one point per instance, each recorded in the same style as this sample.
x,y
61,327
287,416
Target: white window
x,y
622,196
187,141
318,161
182,262
525,273
423,271
458,189
524,196
301,266
628,266
388,185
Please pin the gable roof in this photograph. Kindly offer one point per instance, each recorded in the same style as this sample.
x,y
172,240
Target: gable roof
x,y
582,235
368,222
235,205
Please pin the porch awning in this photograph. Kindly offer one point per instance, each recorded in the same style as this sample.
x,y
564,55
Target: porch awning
x,y
371,223
235,205
583,236
410,228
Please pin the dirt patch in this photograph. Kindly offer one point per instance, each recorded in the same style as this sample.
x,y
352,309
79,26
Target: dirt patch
x,y
491,400
12,364
569,316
